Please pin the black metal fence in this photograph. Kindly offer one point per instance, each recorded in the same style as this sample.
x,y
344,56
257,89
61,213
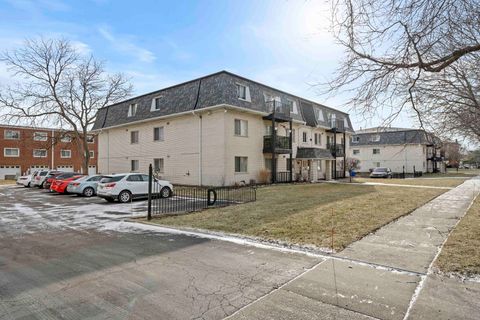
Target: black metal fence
x,y
192,198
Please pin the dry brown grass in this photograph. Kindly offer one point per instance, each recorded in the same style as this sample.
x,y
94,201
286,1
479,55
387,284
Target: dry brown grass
x,y
303,214
440,182
461,253
3,182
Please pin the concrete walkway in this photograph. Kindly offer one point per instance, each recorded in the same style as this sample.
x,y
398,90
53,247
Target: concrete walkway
x,y
386,275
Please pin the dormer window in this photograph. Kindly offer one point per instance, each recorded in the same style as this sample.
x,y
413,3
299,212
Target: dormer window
x,y
156,103
355,139
375,138
293,106
320,116
345,122
243,92
132,110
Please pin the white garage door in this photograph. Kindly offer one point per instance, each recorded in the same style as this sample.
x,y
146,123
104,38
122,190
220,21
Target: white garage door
x,y
65,168
36,168
10,172
92,170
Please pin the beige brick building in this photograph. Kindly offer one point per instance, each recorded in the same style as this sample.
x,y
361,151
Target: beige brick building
x,y
217,130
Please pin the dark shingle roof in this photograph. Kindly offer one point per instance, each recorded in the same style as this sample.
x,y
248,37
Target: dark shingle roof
x,y
214,89
313,153
412,136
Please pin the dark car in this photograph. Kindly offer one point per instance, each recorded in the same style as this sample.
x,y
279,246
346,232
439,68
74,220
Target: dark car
x,y
50,176
381,172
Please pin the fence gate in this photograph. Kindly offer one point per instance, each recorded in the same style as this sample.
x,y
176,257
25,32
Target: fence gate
x,y
194,198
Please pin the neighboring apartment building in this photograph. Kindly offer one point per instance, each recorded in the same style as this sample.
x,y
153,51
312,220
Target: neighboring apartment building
x,y
25,149
223,129
400,149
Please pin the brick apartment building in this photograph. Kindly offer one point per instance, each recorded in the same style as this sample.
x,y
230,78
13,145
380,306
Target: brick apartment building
x,y
25,149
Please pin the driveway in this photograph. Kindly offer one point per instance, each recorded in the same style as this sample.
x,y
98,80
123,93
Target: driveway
x,y
74,258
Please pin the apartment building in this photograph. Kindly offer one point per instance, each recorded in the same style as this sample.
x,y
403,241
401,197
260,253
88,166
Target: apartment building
x,y
223,129
25,149
400,149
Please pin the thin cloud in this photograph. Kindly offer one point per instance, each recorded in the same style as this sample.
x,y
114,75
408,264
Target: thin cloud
x,y
124,44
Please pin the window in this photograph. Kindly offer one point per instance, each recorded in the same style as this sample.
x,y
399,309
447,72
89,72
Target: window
x,y
65,153
293,106
92,154
375,138
304,136
243,92
376,164
158,165
320,116
289,165
268,130
345,122
11,152
132,110
66,138
39,153
156,103
40,136
376,151
356,151
158,134
355,139
135,177
11,134
90,138
134,165
268,164
133,137
241,164
318,139
241,128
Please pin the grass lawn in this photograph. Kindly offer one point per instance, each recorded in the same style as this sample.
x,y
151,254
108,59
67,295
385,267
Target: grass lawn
x,y
303,214
443,182
461,252
453,173
7,182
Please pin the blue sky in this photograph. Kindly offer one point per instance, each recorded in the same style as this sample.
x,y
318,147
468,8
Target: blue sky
x,y
285,44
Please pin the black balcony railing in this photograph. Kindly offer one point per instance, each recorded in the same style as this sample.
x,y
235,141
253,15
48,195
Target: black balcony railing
x,y
336,150
282,144
337,124
279,109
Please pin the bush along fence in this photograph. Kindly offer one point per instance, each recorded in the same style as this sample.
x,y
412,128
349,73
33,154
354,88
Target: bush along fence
x,y
194,198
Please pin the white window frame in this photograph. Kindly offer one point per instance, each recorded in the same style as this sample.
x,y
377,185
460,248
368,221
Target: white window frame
x,y
132,110
42,134
90,138
293,106
66,138
373,151
240,164
36,156
246,92
11,156
131,137
63,156
355,139
161,133
92,154
161,165
242,126
10,138
134,168
320,116
153,107
304,137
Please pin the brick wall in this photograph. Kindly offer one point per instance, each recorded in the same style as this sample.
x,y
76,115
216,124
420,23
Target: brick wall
x,y
26,143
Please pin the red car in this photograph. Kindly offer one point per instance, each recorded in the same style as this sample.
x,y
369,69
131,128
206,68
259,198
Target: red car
x,y
60,185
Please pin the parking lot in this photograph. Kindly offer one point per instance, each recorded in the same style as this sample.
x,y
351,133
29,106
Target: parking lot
x,y
65,256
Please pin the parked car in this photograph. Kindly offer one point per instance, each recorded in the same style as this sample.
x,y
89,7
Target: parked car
x,y
85,186
26,180
60,185
61,176
50,177
381,172
127,186
39,179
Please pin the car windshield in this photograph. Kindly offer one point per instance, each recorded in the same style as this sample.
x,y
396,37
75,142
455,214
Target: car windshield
x,y
380,170
43,173
111,179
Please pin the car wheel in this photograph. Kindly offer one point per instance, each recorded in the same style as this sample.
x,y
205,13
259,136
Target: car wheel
x,y
165,192
28,185
124,196
88,192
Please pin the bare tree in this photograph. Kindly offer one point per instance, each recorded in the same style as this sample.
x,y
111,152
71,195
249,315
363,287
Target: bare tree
x,y
58,87
392,46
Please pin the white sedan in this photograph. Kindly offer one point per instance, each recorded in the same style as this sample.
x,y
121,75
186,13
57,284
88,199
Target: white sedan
x,y
127,186
25,180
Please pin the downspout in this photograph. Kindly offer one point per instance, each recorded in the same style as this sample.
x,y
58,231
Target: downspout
x,y
53,150
200,140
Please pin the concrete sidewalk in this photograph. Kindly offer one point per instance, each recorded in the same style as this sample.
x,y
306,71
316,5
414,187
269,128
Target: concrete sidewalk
x,y
386,275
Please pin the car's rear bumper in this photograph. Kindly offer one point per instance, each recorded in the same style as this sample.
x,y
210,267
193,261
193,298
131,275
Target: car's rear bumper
x,y
107,195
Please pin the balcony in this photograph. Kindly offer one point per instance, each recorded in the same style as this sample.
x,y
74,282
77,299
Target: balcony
x,y
282,144
278,110
336,150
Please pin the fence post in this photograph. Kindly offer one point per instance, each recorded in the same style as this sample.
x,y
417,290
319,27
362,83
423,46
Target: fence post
x,y
414,175
150,178
403,172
